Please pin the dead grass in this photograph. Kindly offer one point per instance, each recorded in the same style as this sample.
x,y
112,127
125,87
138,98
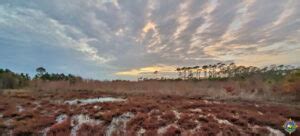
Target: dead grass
x,y
253,89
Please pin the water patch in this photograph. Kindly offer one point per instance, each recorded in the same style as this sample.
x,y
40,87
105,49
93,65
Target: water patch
x,y
177,114
118,124
153,112
207,102
37,103
141,132
61,118
164,129
221,121
94,100
196,110
78,120
216,102
97,107
45,131
194,130
274,132
20,108
8,122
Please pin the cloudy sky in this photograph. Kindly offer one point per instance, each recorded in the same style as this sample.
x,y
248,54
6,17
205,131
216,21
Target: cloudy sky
x,y
109,39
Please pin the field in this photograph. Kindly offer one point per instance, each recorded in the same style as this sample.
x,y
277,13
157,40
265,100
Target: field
x,y
145,108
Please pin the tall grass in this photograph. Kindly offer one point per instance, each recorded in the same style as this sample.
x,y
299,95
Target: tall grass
x,y
254,88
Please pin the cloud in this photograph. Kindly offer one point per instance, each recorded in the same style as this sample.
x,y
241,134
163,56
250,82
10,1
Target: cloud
x,y
114,36
149,26
91,52
147,70
40,28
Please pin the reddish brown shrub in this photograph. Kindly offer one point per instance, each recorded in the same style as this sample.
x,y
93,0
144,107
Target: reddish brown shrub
x,y
203,120
23,132
229,89
137,120
229,130
169,117
60,129
3,107
151,132
172,131
91,130
208,129
187,121
106,116
153,123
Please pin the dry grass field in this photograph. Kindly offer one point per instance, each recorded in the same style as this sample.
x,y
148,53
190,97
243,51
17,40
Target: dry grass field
x,y
147,108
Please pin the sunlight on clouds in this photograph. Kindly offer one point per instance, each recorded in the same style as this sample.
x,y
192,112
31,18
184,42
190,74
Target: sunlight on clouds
x,y
90,51
149,26
153,44
150,69
182,20
268,59
214,50
288,10
242,17
196,41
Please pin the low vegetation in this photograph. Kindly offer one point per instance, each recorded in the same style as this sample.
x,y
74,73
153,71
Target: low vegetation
x,y
230,82
250,101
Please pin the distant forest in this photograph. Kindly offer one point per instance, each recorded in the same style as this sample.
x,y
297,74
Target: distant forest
x,y
222,70
12,80
219,71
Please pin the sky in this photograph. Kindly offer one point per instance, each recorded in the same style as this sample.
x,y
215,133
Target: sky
x,y
124,39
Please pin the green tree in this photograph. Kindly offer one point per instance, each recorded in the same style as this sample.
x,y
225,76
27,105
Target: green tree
x,y
41,71
205,70
179,72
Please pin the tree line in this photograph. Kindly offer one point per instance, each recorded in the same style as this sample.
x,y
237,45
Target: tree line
x,y
44,75
12,80
231,70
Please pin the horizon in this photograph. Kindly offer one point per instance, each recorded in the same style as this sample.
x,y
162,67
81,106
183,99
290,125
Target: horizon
x,y
145,73
114,39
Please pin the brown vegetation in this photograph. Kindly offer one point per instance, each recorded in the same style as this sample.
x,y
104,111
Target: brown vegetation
x,y
210,106
165,115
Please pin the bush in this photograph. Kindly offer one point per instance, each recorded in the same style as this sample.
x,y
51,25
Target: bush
x,y
11,80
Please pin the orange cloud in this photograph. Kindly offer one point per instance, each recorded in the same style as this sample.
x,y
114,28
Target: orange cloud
x,y
150,69
149,26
